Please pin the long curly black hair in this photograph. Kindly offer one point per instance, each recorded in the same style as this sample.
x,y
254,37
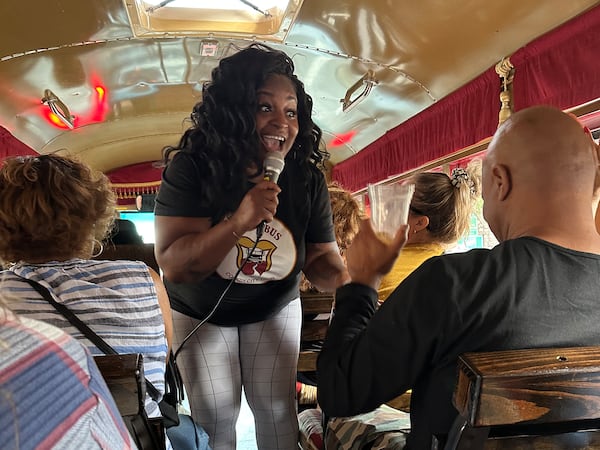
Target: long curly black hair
x,y
223,136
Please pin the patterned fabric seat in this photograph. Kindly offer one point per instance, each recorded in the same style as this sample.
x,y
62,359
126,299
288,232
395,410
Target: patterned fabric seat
x,y
382,428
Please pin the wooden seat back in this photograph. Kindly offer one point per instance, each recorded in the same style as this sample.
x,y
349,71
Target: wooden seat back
x,y
131,252
534,398
124,376
316,311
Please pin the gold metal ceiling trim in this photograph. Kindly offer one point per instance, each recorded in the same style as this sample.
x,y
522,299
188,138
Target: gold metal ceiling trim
x,y
230,39
366,61
60,47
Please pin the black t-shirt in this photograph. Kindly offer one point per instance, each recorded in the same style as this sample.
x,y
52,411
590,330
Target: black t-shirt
x,y
270,278
523,293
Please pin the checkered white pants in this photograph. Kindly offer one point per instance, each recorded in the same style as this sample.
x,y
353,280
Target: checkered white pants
x,y
262,357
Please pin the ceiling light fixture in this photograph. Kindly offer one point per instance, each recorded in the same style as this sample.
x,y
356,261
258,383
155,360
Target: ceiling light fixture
x,y
258,19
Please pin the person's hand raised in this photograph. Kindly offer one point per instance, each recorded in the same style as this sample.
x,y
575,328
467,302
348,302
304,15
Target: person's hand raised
x,y
259,203
369,258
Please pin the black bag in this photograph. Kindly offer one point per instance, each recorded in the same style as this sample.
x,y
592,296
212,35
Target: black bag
x,y
183,432
173,393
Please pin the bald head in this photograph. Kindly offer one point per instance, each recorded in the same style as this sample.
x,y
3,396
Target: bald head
x,y
544,140
540,165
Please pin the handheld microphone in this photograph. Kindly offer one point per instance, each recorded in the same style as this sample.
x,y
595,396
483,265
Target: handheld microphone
x,y
273,165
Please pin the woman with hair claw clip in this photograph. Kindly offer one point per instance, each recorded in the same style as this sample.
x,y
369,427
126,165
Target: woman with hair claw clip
x,y
438,216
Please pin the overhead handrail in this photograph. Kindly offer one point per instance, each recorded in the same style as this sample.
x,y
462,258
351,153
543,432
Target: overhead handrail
x,y
58,108
367,81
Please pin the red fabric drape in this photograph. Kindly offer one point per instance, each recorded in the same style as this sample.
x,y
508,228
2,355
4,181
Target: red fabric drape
x,y
133,180
438,130
11,146
560,68
136,173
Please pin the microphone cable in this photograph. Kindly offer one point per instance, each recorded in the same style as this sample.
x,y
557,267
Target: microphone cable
x,y
273,166
212,311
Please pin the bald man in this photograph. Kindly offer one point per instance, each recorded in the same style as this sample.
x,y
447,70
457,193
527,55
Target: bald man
x,y
538,288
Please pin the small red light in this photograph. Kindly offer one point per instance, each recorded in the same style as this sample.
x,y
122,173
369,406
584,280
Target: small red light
x,y
100,90
342,139
96,112
54,120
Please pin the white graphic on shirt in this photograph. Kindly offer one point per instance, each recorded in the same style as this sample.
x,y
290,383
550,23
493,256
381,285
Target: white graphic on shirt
x,y
273,258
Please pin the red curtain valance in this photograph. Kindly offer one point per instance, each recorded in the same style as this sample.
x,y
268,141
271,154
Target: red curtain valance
x,y
137,179
561,68
11,146
145,172
435,132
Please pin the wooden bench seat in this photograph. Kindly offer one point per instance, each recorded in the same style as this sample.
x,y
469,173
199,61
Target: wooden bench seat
x,y
535,399
130,252
316,309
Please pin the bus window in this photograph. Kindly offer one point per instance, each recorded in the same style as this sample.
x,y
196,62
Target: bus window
x,y
144,222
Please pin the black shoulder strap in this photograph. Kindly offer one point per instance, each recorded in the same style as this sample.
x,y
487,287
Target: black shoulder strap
x,y
85,330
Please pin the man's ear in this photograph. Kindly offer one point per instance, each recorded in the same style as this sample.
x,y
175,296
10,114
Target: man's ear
x,y
502,181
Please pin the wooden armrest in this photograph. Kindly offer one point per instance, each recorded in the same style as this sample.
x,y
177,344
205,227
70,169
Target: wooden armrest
x,y
316,302
532,386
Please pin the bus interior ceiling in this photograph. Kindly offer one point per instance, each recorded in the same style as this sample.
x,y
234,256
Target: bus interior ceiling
x,y
126,73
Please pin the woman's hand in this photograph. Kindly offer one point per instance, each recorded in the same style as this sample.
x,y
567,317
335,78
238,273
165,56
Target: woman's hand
x,y
259,203
189,249
369,258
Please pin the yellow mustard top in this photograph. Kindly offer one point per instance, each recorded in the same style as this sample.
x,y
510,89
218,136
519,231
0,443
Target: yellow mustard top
x,y
411,257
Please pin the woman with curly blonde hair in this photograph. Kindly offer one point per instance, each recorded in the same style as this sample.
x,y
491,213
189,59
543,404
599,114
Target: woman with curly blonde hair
x,y
52,208
54,212
346,213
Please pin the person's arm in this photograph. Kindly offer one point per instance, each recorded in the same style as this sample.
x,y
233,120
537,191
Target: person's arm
x,y
324,266
372,356
366,357
189,249
165,306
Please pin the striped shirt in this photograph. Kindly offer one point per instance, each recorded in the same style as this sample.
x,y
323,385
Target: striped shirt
x,y
116,299
52,395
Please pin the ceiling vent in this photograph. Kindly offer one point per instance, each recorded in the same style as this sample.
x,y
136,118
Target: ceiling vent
x,y
257,19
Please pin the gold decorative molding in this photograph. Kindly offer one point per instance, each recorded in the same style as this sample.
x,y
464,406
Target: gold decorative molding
x,y
132,190
506,72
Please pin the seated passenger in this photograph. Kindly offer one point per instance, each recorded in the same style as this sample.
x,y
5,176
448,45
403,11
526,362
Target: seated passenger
x,y
537,288
52,395
439,215
346,214
54,211
125,232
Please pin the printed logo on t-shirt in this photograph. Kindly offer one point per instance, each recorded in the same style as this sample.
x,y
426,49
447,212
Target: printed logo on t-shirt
x,y
273,258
